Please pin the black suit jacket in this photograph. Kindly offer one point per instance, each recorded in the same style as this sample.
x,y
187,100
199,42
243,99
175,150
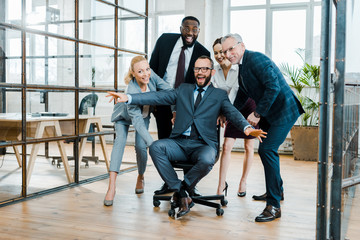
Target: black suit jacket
x,y
161,55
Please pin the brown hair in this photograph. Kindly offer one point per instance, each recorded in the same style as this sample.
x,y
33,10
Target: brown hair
x,y
217,41
129,74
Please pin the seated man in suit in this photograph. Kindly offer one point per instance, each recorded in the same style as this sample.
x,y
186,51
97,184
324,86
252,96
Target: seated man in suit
x,y
194,136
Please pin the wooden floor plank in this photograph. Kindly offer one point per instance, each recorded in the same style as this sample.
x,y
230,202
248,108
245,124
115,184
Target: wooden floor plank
x,y
79,213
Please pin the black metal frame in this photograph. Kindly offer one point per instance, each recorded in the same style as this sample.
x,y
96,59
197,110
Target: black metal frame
x,y
345,129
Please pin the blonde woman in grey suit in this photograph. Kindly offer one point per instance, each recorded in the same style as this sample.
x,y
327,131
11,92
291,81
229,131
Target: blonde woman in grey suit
x,y
139,79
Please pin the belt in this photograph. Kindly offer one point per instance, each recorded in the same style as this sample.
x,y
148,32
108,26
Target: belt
x,y
189,137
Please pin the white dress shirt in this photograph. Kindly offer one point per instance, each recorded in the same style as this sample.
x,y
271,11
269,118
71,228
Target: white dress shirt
x,y
171,69
146,108
230,84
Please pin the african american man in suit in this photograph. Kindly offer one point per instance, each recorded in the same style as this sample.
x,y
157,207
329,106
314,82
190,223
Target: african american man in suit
x,y
166,61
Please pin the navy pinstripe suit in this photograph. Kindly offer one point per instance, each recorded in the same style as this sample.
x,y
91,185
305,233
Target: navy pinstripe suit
x,y
279,109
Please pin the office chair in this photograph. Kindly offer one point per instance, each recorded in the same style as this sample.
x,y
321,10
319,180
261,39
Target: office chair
x,y
202,200
88,101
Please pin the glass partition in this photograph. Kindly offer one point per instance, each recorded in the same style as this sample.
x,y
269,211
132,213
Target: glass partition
x,y
10,56
55,16
50,61
96,67
96,22
53,111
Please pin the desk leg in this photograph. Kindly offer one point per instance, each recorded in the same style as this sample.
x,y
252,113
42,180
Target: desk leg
x,y
63,155
103,145
17,154
83,140
35,148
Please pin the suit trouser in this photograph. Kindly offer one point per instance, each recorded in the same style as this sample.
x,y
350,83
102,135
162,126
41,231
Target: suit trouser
x,y
163,116
165,151
122,128
268,151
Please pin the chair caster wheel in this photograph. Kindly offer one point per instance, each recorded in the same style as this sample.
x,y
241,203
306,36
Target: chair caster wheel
x,y
156,203
219,212
171,213
224,202
53,162
58,165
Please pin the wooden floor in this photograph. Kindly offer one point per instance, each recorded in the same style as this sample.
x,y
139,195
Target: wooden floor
x,y
79,213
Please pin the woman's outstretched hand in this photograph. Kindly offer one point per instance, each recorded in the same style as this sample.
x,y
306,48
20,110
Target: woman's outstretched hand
x,y
118,97
258,133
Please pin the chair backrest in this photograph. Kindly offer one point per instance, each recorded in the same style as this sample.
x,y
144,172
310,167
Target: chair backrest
x,y
88,101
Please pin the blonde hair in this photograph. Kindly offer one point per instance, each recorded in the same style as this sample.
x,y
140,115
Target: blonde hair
x,y
129,76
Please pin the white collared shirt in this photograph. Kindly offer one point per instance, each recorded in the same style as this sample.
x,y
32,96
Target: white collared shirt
x,y
146,108
230,84
171,69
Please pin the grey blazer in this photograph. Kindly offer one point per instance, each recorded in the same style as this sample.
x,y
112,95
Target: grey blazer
x,y
214,103
132,114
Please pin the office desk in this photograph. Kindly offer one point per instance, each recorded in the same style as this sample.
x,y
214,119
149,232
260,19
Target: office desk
x,y
68,125
40,127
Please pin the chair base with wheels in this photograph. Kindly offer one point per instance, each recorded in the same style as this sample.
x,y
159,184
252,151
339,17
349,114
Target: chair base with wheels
x,y
202,200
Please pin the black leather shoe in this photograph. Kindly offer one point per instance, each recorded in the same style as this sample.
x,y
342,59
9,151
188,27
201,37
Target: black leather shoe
x,y
263,197
269,214
164,189
194,193
185,204
175,200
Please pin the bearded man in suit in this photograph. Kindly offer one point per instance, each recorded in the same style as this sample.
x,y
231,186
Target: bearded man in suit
x,y
277,109
194,136
173,60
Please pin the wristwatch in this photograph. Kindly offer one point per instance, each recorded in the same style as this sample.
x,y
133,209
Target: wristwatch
x,y
256,115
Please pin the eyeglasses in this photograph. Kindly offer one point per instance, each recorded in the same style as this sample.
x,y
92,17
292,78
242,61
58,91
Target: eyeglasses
x,y
187,30
203,69
231,49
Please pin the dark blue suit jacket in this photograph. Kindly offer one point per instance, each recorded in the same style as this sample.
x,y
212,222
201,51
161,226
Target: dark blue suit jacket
x,y
162,51
214,102
264,83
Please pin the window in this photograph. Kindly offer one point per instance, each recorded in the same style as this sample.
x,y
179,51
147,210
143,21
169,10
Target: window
x,y
279,27
253,34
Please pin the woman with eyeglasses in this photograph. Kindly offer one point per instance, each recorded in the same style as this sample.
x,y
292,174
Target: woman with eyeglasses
x,y
226,78
139,79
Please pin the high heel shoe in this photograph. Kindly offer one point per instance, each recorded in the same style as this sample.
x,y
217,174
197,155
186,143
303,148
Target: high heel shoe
x,y
140,184
241,194
109,202
241,185
226,188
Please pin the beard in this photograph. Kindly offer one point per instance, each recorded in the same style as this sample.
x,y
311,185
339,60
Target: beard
x,y
207,80
186,43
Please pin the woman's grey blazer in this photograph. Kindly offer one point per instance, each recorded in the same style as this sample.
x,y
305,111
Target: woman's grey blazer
x,y
132,114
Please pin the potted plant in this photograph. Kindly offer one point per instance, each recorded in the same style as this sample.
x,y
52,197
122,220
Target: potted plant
x,y
305,81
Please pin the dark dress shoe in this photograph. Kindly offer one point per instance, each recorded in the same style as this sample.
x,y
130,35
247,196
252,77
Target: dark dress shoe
x,y
269,214
174,201
163,190
185,204
241,194
194,193
263,197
